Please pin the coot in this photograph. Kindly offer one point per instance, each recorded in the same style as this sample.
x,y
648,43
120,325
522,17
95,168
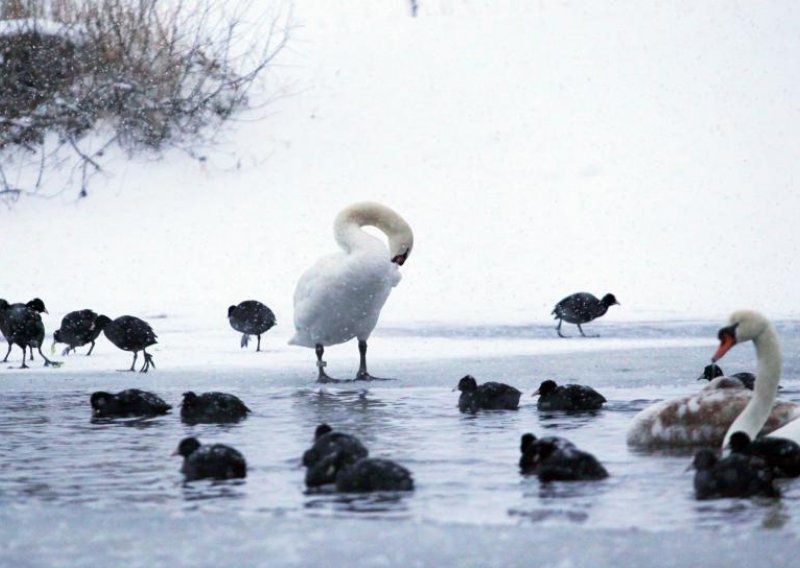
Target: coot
x,y
568,397
781,454
23,326
581,308
127,403
712,371
251,317
557,459
77,329
488,396
130,333
736,475
212,407
327,442
216,461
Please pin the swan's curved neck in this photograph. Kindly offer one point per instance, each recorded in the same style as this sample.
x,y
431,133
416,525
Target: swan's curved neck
x,y
347,228
755,414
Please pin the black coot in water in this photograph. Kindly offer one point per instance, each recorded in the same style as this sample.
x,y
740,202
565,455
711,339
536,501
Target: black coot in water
x,y
488,396
23,326
251,317
556,459
568,397
581,308
736,475
327,442
364,475
216,461
712,371
127,404
130,333
781,454
212,407
79,328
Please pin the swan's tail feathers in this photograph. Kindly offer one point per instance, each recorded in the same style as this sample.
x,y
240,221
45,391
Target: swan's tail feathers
x,y
245,340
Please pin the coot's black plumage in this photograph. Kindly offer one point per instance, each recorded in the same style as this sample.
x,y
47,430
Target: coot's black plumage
x,y
488,396
712,371
212,407
127,403
130,333
367,474
251,317
23,326
77,329
556,459
568,397
736,475
4,305
216,461
781,454
327,442
581,308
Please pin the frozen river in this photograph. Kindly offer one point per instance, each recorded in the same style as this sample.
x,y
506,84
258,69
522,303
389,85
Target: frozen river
x,y
72,491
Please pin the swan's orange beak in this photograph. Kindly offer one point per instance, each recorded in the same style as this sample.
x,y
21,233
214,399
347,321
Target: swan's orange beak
x,y
727,339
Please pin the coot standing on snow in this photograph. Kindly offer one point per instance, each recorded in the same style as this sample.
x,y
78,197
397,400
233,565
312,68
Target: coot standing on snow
x,y
581,308
4,305
130,333
568,397
77,329
212,408
23,326
251,317
216,461
488,396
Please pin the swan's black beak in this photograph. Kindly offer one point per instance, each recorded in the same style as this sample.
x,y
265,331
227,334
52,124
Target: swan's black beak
x,y
401,258
727,339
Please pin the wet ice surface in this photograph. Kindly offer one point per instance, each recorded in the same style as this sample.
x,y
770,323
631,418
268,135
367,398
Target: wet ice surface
x,y
55,463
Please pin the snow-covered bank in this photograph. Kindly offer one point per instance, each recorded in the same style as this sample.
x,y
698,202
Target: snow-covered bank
x,y
536,148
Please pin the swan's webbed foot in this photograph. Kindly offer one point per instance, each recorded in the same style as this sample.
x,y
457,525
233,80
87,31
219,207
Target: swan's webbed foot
x,y
364,376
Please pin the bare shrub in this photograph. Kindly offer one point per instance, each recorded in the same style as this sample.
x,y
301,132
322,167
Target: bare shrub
x,y
146,74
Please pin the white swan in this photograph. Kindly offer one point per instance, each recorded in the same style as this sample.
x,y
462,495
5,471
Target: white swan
x,y
710,416
340,297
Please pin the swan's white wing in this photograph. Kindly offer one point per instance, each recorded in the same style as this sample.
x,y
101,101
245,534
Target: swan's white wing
x,y
341,297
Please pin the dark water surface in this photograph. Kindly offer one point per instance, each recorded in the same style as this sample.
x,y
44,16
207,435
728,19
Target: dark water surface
x,y
55,462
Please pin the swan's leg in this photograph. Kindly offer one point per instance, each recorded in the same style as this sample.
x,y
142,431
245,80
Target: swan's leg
x,y
363,375
323,377
258,346
558,328
90,349
7,353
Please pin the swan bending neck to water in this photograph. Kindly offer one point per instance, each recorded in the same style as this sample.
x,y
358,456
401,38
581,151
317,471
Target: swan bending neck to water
x,y
710,416
748,325
340,297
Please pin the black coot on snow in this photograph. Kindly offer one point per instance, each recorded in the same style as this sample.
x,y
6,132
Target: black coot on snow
x,y
23,326
216,461
251,317
581,308
212,407
130,333
488,396
568,397
77,329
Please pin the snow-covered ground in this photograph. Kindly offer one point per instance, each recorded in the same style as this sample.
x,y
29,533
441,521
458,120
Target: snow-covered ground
x,y
537,148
